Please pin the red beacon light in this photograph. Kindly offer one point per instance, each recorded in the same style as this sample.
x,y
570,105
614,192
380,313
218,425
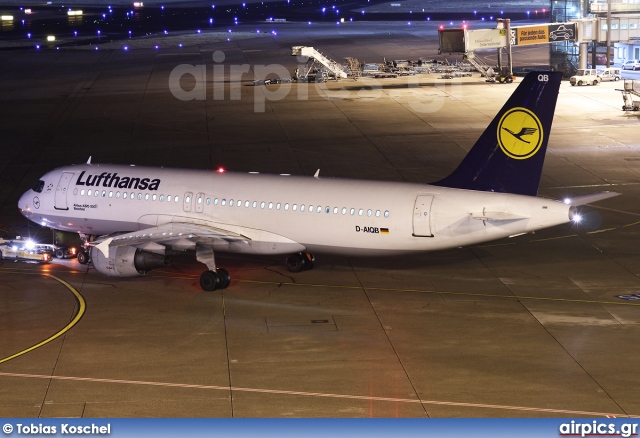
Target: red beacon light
x,y
221,170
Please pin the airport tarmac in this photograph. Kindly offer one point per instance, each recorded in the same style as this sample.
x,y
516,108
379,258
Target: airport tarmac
x,y
534,326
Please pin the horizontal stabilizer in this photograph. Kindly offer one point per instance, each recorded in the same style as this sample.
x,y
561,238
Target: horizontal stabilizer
x,y
497,216
590,198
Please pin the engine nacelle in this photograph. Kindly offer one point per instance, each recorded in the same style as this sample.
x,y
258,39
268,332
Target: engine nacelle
x,y
126,261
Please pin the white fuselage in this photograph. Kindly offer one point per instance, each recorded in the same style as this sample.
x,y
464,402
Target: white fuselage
x,y
284,214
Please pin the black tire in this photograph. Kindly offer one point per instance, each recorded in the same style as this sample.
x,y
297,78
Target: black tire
x,y
83,257
310,261
0,255
59,253
296,263
595,82
225,278
209,281
580,83
616,78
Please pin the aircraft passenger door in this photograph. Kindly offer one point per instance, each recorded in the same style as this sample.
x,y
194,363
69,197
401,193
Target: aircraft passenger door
x,y
60,201
199,202
188,199
422,216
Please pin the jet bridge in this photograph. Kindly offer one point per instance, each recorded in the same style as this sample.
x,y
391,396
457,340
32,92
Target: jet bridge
x,y
314,56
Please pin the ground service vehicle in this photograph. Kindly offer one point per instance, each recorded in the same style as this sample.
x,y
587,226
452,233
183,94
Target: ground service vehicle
x,y
23,250
610,74
585,76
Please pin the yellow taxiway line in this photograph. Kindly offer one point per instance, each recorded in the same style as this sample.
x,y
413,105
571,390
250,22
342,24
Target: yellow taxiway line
x,y
82,306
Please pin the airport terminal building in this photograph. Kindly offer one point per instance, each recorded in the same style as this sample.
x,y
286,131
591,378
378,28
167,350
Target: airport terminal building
x,y
625,32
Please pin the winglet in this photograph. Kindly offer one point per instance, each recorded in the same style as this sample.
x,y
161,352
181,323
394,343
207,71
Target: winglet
x,y
103,246
317,174
89,160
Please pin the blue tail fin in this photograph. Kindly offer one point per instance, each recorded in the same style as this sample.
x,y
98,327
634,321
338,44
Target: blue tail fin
x,y
509,155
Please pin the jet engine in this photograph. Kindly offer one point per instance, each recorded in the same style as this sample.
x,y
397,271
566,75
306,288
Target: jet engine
x,y
126,261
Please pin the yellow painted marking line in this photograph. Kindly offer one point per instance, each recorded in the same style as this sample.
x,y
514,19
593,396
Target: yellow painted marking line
x,y
81,309
554,238
422,291
601,231
317,394
426,291
631,225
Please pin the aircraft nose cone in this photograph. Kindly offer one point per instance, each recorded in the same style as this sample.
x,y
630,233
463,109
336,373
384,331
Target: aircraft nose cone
x,y
25,204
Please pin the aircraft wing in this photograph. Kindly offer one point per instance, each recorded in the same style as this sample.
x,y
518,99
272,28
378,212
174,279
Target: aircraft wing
x,y
176,236
590,198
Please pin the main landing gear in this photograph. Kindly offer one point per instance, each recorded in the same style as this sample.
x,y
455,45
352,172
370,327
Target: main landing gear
x,y
218,278
213,280
300,262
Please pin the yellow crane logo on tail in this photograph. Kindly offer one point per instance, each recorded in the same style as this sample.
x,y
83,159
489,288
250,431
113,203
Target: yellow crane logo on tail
x,y
520,133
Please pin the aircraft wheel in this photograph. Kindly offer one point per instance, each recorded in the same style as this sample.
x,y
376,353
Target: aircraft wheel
x,y
83,257
310,261
209,281
225,278
296,262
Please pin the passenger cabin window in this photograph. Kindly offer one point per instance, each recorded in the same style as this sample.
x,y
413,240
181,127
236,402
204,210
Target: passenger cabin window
x,y
39,186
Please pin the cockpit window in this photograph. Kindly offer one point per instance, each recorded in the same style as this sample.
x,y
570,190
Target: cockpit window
x,y
39,186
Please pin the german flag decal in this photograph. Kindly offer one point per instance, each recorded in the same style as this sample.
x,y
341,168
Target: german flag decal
x,y
384,230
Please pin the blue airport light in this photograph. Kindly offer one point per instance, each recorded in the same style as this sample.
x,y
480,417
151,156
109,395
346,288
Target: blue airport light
x,y
213,6
37,46
198,31
96,47
309,23
98,32
28,35
180,45
162,7
75,33
125,48
156,47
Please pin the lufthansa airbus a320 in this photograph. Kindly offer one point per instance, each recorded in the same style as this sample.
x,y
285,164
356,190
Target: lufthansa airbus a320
x,y
134,216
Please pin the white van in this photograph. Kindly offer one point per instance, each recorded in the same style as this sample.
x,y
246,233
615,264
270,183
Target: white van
x,y
610,74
